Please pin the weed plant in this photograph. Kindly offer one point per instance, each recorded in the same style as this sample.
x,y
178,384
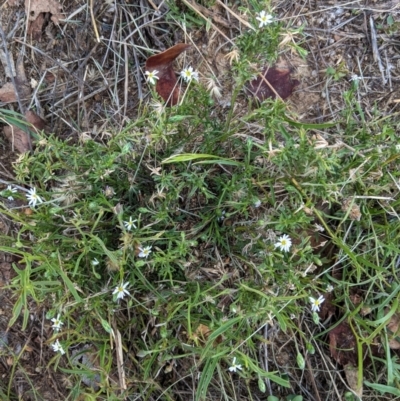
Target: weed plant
x,y
195,237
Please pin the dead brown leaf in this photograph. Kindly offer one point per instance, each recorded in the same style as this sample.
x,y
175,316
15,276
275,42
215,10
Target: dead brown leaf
x,y
166,85
343,345
7,93
35,10
202,333
351,373
272,83
328,309
394,330
20,139
35,27
354,213
34,7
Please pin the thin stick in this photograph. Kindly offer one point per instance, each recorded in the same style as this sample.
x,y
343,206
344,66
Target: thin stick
x,y
94,22
238,17
375,50
202,16
3,37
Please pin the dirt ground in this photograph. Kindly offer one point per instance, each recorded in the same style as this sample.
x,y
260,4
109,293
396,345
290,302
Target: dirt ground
x,y
83,81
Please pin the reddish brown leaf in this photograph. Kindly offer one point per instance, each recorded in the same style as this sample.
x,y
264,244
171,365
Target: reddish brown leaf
x,y
7,93
19,138
35,120
166,85
343,345
272,83
328,309
35,27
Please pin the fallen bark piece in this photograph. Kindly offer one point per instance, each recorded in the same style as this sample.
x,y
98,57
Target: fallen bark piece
x,y
6,58
167,83
273,82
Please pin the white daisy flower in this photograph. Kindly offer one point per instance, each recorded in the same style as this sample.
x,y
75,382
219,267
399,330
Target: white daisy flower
x,y
33,197
257,203
188,74
144,252
57,323
319,228
234,366
121,290
152,76
264,18
95,262
57,347
284,243
130,223
316,303
329,288
355,77
11,189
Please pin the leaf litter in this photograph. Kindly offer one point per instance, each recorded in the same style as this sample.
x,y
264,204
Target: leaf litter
x,y
167,84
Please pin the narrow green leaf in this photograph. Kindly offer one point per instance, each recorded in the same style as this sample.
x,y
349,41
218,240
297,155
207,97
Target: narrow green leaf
x,y
310,125
70,286
383,388
106,326
210,159
205,379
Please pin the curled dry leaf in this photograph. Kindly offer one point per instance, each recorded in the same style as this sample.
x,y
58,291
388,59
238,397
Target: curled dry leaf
x,y
202,333
349,206
273,82
35,10
167,82
35,7
7,93
351,373
20,139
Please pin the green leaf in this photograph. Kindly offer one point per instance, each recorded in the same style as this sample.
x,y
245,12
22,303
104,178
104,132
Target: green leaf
x,y
70,286
211,159
205,378
176,119
106,326
300,361
310,125
261,385
383,388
